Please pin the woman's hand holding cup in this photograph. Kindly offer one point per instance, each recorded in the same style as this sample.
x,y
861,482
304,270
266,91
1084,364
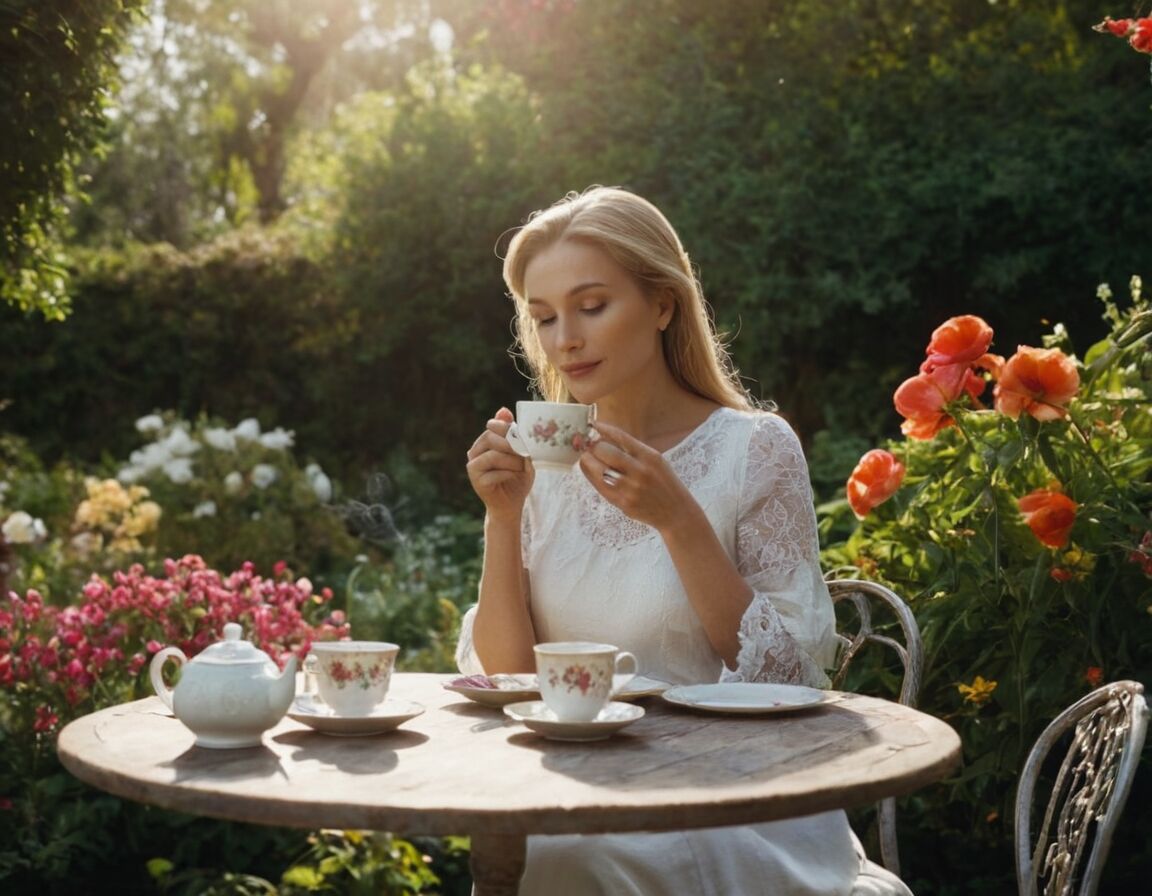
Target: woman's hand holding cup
x,y
500,477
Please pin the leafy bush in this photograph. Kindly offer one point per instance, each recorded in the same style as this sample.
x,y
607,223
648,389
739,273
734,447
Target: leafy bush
x,y
1020,535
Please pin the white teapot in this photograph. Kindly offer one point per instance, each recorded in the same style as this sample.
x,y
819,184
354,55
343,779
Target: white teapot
x,y
229,694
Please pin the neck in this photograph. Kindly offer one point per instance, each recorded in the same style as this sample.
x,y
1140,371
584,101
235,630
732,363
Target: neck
x,y
654,409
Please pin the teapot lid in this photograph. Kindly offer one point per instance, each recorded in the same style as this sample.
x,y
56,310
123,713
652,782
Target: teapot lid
x,y
232,650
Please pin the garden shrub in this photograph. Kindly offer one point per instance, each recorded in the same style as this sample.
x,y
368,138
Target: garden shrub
x,y
1021,535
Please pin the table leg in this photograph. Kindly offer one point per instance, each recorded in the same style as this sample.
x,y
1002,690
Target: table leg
x,y
497,864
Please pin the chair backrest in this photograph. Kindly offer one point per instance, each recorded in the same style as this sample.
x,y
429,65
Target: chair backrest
x,y
862,595
1107,734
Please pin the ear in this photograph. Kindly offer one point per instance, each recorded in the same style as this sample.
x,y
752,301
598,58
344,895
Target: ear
x,y
666,303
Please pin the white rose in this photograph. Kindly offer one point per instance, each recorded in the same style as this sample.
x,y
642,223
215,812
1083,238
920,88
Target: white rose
x,y
233,482
150,423
221,439
263,475
249,429
23,528
278,439
180,443
320,482
204,508
179,470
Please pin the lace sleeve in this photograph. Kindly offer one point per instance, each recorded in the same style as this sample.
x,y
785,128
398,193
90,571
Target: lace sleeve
x,y
787,632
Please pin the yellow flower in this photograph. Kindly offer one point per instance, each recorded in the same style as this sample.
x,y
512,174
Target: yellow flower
x,y
978,692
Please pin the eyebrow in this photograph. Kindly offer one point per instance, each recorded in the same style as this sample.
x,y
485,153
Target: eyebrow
x,y
575,290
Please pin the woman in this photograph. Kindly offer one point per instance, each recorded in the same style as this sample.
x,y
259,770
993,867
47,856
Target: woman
x,y
685,533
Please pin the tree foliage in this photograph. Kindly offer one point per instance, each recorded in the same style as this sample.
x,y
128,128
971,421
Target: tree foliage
x,y
58,60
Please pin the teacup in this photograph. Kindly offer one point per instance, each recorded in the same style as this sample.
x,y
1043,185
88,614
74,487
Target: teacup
x,y
578,678
551,433
352,677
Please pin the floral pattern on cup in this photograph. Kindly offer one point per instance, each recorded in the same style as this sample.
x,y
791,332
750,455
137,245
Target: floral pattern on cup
x,y
356,674
581,678
559,435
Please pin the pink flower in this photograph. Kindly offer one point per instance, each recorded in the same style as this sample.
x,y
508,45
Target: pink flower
x,y
46,720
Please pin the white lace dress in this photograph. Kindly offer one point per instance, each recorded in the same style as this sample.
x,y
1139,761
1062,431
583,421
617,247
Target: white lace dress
x,y
597,575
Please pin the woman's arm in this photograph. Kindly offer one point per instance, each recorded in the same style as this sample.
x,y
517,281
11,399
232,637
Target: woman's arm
x,y
502,632
787,633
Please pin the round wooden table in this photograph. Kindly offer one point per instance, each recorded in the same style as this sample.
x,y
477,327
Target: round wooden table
x,y
461,768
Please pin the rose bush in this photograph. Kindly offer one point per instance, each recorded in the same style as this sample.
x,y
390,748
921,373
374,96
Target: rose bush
x,y
1019,529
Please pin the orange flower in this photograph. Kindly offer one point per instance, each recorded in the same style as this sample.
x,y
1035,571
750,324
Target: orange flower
x,y
1050,515
1039,381
1117,27
1094,675
876,478
959,340
922,399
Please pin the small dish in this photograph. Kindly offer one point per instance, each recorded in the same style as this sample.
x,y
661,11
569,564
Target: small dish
x,y
387,716
641,686
495,690
745,697
539,718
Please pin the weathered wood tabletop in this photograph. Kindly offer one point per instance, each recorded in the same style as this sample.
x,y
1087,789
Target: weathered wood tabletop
x,y
461,768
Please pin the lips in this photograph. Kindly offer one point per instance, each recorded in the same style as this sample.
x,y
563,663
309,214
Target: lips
x,y
576,371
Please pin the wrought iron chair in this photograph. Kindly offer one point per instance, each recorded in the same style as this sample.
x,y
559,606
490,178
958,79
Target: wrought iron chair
x,y
861,595
1108,728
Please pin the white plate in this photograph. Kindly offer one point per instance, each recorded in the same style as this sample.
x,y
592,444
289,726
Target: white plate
x,y
505,688
539,718
388,715
641,686
745,697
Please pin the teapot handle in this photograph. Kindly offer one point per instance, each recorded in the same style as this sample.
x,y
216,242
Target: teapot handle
x,y
156,672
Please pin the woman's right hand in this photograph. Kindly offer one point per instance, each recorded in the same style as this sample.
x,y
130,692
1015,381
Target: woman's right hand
x,y
499,476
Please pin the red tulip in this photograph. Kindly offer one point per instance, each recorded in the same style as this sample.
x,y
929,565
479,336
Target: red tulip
x,y
1050,515
1039,381
876,478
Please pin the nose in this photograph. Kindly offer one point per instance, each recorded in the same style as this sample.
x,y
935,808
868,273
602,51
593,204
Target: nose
x,y
569,336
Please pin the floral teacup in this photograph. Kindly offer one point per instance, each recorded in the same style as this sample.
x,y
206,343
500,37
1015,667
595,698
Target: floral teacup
x,y
352,677
577,678
552,433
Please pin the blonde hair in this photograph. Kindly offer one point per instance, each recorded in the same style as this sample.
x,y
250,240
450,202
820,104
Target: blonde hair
x,y
638,237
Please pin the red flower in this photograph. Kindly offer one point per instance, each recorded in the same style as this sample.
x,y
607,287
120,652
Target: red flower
x,y
1141,39
1118,27
1050,515
1039,381
876,478
959,340
1094,675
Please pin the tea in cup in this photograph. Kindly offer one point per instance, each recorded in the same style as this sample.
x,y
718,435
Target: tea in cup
x,y
578,678
352,677
551,433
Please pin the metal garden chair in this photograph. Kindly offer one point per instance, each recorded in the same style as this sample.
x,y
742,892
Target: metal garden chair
x,y
1107,731
863,596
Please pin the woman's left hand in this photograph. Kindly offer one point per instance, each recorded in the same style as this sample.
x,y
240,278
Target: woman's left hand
x,y
635,478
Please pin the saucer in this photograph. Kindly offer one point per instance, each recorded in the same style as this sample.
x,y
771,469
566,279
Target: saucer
x,y
495,690
539,718
745,697
388,715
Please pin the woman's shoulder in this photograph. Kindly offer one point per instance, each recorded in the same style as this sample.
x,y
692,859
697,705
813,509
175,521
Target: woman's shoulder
x,y
763,426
